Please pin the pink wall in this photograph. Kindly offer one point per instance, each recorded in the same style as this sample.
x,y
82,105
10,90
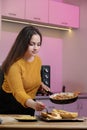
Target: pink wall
x,y
7,39
51,54
0,19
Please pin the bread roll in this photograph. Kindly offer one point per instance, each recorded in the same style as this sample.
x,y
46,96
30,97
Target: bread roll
x,y
56,115
59,114
66,114
44,114
51,115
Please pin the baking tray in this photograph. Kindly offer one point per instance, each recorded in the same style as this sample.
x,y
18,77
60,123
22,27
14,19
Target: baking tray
x,y
79,119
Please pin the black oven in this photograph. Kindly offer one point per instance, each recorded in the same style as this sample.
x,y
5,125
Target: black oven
x,y
45,76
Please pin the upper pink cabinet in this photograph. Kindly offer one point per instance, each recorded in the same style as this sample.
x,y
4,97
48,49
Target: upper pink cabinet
x,y
51,12
37,10
63,14
13,8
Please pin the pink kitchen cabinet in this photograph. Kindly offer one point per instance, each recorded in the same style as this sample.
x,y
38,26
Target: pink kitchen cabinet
x,y
49,105
72,107
37,10
62,14
79,106
13,8
82,106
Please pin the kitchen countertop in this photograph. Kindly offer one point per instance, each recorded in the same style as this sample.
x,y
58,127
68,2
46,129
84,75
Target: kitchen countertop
x,y
37,125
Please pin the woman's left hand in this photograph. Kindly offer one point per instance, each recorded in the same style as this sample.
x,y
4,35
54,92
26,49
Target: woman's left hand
x,y
44,88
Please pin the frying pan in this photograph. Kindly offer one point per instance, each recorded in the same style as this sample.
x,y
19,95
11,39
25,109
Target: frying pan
x,y
63,97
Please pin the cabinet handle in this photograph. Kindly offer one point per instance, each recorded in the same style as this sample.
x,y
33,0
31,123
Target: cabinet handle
x,y
37,18
52,107
81,106
64,23
12,14
78,106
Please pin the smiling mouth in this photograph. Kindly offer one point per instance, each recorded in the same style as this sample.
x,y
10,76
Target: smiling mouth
x,y
34,52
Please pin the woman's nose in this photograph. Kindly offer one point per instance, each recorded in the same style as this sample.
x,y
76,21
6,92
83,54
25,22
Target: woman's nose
x,y
35,47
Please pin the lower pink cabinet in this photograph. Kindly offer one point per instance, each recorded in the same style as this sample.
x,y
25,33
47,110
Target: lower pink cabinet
x,y
79,106
82,106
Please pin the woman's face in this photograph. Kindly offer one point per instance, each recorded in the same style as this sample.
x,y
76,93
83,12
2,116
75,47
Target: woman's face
x,y
34,45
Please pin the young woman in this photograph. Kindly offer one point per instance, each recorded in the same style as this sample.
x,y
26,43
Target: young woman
x,y
22,77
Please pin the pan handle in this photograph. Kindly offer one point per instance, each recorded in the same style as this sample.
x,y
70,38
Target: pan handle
x,y
49,92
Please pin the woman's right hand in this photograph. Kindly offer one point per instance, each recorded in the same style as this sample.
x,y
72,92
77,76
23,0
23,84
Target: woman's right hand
x,y
38,106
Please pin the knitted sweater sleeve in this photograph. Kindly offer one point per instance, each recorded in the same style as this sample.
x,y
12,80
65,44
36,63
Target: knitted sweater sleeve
x,y
16,85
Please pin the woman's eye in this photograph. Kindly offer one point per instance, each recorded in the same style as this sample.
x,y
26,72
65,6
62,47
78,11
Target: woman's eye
x,y
39,44
31,44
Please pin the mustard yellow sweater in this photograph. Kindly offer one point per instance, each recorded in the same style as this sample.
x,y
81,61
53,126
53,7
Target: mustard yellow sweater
x,y
23,79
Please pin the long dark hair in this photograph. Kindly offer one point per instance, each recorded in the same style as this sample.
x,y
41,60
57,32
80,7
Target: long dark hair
x,y
20,46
